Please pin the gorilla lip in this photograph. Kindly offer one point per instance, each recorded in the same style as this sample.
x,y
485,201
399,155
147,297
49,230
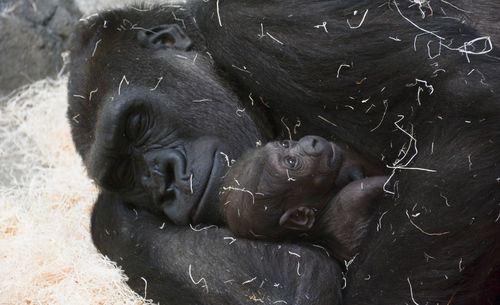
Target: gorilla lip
x,y
201,208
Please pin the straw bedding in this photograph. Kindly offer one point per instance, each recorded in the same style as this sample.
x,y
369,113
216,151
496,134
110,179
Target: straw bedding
x,y
46,252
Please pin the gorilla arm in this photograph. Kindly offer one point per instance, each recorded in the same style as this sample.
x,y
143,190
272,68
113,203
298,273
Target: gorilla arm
x,y
189,266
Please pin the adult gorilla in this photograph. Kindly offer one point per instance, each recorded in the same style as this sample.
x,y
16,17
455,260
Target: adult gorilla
x,y
413,87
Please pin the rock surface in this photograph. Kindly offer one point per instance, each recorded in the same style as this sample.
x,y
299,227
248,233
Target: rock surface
x,y
34,34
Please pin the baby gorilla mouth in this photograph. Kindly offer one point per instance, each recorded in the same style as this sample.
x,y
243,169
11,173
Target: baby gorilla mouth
x,y
331,155
334,156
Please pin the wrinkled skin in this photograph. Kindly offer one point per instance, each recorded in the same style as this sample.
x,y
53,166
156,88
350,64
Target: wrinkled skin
x,y
435,241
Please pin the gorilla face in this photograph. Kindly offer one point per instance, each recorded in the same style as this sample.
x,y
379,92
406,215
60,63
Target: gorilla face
x,y
159,140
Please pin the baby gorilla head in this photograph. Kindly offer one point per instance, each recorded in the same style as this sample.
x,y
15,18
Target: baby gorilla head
x,y
274,191
287,188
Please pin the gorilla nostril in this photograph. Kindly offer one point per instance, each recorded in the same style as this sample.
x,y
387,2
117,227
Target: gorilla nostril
x,y
166,174
164,36
314,142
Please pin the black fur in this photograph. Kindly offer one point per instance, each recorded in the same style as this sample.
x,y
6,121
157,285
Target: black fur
x,y
439,240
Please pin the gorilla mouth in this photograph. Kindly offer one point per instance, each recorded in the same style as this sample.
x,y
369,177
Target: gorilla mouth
x,y
205,211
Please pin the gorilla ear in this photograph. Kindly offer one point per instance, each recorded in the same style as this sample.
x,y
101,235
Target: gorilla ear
x,y
165,36
298,219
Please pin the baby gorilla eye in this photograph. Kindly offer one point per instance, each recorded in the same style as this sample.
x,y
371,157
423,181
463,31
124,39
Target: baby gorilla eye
x,y
291,162
285,143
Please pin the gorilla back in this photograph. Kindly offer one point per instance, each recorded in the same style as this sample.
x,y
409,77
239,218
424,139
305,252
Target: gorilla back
x,y
411,86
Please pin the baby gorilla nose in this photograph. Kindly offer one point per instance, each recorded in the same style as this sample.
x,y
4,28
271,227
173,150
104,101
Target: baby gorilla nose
x,y
314,145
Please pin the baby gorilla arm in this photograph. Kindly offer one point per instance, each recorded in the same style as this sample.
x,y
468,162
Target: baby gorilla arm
x,y
343,222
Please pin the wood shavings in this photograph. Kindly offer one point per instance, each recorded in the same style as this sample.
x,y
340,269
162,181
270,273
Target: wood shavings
x,y
386,105
218,13
244,69
273,38
203,228
145,287
202,100
157,83
465,48
427,257
288,129
232,239
250,97
412,23
323,25
298,268
249,281
424,82
92,92
263,103
379,223
56,262
179,19
322,248
429,50
329,122
124,79
75,118
421,230
297,125
412,168
205,286
456,7
340,67
239,112
95,47
225,188
445,199
226,157
360,81
411,292
360,24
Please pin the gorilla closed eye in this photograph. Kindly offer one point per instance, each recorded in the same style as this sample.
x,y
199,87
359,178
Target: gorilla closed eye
x,y
137,126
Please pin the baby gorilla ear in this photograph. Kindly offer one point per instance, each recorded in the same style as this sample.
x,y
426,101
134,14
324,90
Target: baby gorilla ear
x,y
298,219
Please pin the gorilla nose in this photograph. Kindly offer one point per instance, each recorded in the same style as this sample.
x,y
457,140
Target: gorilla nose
x,y
313,145
166,174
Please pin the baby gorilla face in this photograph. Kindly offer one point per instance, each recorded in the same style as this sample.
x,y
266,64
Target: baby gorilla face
x,y
275,191
308,167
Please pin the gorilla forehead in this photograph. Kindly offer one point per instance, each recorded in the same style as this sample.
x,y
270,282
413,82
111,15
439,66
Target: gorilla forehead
x,y
108,61
181,86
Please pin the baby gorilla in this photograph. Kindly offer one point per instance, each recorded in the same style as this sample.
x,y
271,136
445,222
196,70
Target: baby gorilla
x,y
287,188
